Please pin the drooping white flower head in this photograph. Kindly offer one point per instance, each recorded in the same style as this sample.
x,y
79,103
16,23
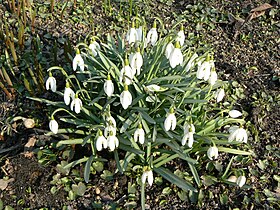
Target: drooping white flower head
x,y
139,32
108,86
110,126
152,35
176,56
77,103
189,130
94,47
241,180
126,73
53,126
181,36
204,68
234,113
168,50
101,142
51,83
136,61
213,77
148,174
78,61
219,95
132,35
111,121
139,134
125,97
237,134
191,62
68,94
212,153
170,121
113,142
153,88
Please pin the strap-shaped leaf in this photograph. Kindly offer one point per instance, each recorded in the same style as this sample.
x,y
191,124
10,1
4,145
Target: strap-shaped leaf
x,y
147,117
234,151
87,169
174,179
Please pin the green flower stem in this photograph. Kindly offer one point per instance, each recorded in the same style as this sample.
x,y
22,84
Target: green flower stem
x,y
143,196
62,109
93,148
58,68
83,90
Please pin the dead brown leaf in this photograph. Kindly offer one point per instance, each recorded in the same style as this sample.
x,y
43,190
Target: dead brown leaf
x,y
31,142
258,11
4,183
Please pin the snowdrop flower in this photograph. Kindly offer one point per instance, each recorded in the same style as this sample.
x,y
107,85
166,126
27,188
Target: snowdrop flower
x,y
77,103
78,61
94,47
147,174
241,180
219,95
168,50
101,141
152,88
139,134
191,62
204,69
125,97
181,36
139,32
152,35
53,126
110,126
113,142
189,130
170,121
51,83
237,134
111,121
136,61
213,77
126,73
212,153
132,35
68,94
176,56
108,86
234,113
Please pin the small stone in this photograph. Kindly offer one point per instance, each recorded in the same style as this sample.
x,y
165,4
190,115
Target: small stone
x,y
97,191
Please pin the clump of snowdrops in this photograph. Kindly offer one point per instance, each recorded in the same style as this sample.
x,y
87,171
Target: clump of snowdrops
x,y
150,99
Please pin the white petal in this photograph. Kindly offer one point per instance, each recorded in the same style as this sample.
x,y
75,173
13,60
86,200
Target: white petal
x,y
176,57
234,113
191,62
169,49
110,120
233,128
207,71
109,88
212,152
68,94
53,126
144,177
241,180
126,99
213,77
139,33
150,177
181,37
232,136
185,138
111,143
220,95
109,129
132,35
200,71
99,143
190,142
78,61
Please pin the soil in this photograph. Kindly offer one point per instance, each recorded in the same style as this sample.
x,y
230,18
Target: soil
x,y
251,58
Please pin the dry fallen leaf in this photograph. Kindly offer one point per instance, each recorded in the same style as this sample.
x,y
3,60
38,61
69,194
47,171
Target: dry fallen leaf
x,y
31,142
4,183
259,11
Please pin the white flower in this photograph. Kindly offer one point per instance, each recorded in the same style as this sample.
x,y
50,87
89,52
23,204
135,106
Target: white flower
x,y
234,113
108,129
170,121
176,56
125,97
189,130
191,62
94,47
101,142
139,33
152,35
126,74
153,88
168,50
136,61
131,36
241,180
181,37
111,121
108,86
113,142
237,134
212,153
219,95
77,103
139,134
78,61
150,176
68,94
213,77
204,69
53,126
51,83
